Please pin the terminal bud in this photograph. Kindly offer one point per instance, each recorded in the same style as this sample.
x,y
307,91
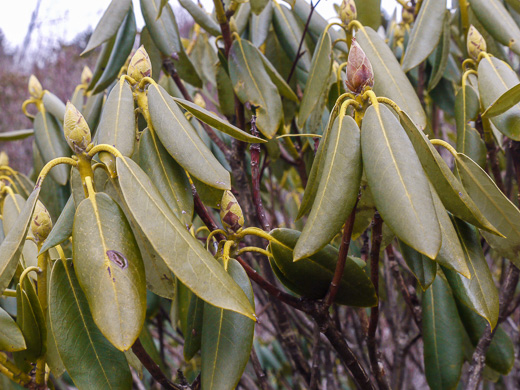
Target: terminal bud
x,y
476,43
41,223
231,213
140,65
347,11
76,130
35,88
359,69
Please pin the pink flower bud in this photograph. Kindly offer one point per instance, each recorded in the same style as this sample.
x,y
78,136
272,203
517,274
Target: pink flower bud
x,y
359,69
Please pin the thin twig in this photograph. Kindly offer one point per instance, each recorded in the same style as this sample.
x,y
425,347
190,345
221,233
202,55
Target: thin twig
x,y
259,371
315,366
152,367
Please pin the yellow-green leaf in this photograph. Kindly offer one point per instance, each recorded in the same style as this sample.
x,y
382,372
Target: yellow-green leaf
x,y
11,337
15,135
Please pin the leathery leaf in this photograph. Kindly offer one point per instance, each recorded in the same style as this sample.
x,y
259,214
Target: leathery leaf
x,y
187,259
398,183
11,337
182,142
110,269
338,188
90,359
227,338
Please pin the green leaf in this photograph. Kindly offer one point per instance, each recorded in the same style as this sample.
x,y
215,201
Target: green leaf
x,y
478,293
289,32
109,23
260,24
27,321
187,259
101,62
498,22
193,336
168,176
277,79
317,166
226,95
442,53
165,34
451,254
442,335
11,337
494,205
12,245
153,53
426,32
15,135
252,84
92,110
182,142
500,355
110,269
421,266
241,17
389,79
450,190
319,73
495,78
51,144
62,229
227,338
117,124
311,276
397,181
201,17
369,13
91,361
507,100
467,107
257,6
125,39
338,188
218,123
54,105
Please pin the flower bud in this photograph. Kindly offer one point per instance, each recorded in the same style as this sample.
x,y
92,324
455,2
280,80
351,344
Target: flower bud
x,y
347,11
4,158
35,88
407,16
41,223
86,75
475,43
140,65
76,130
359,69
399,32
230,213
199,100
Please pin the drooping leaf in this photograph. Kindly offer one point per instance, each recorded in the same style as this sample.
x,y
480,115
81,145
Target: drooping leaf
x,y
11,337
397,181
51,144
101,62
467,107
110,269
12,245
252,84
289,32
91,361
201,17
504,102
500,355
478,293
187,259
15,135
277,79
153,53
123,44
442,335
311,276
92,110
319,73
241,17
442,53
495,77
450,190
227,338
214,121
54,105
389,79
27,321
62,229
165,34
498,22
338,188
109,23
494,205
193,336
421,266
257,6
117,124
260,24
182,142
369,13
426,32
